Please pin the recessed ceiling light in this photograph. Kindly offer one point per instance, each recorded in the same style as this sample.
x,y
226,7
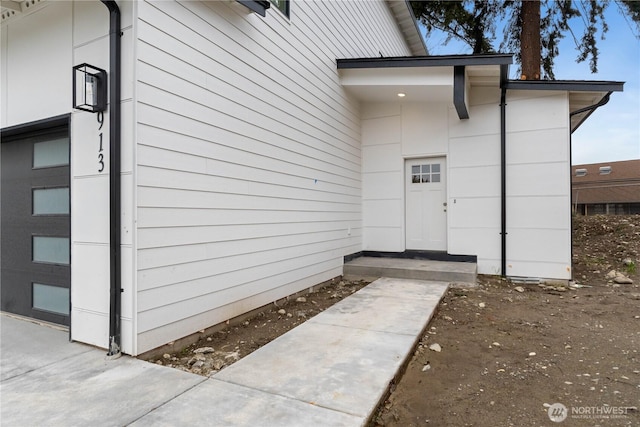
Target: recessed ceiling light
x,y
402,94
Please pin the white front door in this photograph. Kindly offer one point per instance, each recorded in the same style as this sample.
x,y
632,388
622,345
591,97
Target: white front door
x,y
426,209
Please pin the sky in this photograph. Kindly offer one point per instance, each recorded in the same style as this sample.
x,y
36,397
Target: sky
x,y
612,132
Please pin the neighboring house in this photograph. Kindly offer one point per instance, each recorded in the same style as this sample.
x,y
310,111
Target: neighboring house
x,y
254,149
606,188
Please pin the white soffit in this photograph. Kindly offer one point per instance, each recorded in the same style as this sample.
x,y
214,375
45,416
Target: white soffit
x,y
579,100
420,84
12,8
432,84
408,25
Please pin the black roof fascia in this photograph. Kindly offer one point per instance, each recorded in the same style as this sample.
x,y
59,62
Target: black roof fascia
x,y
258,6
424,61
571,85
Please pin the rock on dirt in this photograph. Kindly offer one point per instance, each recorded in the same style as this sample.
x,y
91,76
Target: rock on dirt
x,y
218,350
586,341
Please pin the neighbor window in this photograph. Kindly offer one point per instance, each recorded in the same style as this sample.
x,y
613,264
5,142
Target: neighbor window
x,y
581,172
283,5
605,170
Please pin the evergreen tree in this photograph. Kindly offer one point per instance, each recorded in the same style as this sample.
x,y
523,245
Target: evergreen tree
x,y
533,28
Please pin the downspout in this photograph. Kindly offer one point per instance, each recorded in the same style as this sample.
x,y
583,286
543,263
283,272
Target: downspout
x,y
503,175
115,261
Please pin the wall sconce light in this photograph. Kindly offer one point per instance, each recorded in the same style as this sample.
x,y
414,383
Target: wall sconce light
x,y
89,88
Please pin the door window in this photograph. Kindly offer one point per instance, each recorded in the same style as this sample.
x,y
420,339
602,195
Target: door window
x,y
425,173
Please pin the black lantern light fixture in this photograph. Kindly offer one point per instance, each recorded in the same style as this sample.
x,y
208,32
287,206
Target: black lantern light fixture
x,y
89,88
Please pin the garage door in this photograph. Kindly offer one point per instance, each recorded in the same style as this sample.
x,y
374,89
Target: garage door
x,y
35,217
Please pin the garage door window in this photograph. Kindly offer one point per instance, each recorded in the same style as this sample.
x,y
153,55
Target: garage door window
x,y
51,201
53,250
51,298
54,152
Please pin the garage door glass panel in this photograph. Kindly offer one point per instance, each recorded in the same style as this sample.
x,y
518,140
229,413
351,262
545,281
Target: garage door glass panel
x,y
54,152
51,201
51,298
51,249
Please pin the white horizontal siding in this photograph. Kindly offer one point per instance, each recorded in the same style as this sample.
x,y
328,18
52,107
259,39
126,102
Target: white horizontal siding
x,y
248,158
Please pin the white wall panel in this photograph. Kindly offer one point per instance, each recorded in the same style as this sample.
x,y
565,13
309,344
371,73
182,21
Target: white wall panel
x,y
385,239
382,185
382,158
374,110
539,212
544,270
538,185
535,113
381,131
425,129
383,213
89,277
539,146
4,83
540,179
490,266
33,94
474,182
91,215
538,244
483,120
90,327
483,150
483,242
476,212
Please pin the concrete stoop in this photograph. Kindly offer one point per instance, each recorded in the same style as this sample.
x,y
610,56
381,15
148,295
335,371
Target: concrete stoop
x,y
414,269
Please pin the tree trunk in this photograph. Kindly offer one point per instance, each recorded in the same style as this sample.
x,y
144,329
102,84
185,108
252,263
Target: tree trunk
x,y
530,50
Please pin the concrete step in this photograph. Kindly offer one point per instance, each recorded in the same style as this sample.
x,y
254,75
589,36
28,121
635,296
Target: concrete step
x,y
414,269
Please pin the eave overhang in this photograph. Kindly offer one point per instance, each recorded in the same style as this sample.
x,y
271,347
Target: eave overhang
x,y
444,79
584,96
10,8
408,24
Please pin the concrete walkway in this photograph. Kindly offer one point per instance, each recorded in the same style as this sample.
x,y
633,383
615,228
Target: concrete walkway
x,y
332,370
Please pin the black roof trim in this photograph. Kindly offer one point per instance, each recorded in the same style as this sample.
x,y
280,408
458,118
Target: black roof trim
x,y
425,61
258,6
50,122
571,85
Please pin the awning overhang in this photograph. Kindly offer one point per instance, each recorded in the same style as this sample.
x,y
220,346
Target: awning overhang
x,y
447,79
436,79
585,96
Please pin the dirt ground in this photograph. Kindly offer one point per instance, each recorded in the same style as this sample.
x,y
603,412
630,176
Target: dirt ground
x,y
507,355
216,351
508,351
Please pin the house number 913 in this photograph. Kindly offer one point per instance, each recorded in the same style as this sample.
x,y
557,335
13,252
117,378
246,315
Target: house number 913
x,y
100,117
